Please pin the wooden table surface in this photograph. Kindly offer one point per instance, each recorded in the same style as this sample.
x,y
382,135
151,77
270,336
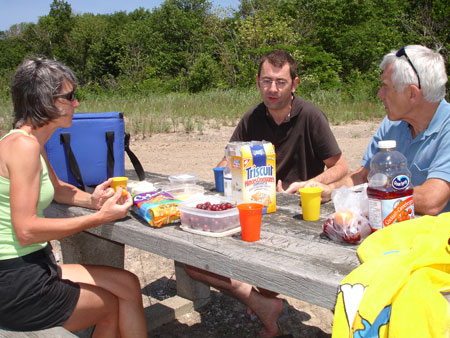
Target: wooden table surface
x,y
293,257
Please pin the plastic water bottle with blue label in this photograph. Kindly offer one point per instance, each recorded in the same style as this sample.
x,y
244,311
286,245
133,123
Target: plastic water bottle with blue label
x,y
227,179
231,149
390,191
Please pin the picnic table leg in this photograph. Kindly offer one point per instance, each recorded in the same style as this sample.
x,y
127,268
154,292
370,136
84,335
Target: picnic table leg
x,y
190,288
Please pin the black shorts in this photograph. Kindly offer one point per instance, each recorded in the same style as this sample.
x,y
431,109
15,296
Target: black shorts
x,y
32,294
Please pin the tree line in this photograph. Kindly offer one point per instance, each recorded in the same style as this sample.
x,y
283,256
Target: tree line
x,y
191,46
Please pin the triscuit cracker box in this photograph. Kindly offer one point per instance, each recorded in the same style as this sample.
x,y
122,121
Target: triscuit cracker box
x,y
253,173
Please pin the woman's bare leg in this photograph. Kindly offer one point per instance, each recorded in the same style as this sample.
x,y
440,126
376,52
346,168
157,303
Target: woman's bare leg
x,y
98,307
123,285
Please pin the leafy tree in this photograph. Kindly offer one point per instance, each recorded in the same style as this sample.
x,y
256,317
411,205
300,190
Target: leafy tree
x,y
224,43
86,45
135,59
183,45
358,33
427,23
61,12
249,8
13,50
179,35
203,73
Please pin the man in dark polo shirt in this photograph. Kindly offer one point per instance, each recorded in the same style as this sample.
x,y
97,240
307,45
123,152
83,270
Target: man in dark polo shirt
x,y
304,143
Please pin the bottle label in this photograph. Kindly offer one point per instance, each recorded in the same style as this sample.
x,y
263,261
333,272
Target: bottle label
x,y
227,184
400,182
386,212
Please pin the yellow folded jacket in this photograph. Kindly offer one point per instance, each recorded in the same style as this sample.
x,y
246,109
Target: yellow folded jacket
x,y
396,291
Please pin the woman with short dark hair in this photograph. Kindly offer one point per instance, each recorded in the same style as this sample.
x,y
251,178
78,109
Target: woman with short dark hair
x,y
35,292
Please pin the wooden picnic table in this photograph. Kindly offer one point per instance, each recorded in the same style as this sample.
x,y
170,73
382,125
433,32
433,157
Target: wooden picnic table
x,y
293,257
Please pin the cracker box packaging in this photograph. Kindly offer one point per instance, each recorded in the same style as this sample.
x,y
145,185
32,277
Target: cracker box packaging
x,y
253,173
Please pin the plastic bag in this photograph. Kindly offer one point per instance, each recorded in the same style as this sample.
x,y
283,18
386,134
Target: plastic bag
x,y
349,223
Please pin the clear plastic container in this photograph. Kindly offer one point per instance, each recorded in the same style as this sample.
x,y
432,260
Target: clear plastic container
x,y
140,187
227,179
390,190
206,220
183,179
184,191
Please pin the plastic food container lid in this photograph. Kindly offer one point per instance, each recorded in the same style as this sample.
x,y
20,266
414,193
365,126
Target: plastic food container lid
x,y
142,187
183,178
184,191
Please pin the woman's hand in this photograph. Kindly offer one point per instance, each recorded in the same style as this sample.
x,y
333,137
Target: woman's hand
x,y
101,194
117,206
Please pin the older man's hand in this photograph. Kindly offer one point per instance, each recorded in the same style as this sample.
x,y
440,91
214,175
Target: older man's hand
x,y
292,189
326,189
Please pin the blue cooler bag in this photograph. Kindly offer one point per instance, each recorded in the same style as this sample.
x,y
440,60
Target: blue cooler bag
x,y
91,150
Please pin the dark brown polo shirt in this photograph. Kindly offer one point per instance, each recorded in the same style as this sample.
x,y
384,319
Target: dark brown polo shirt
x,y
301,142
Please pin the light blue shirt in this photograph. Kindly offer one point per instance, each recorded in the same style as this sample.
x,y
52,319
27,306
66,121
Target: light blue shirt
x,y
428,154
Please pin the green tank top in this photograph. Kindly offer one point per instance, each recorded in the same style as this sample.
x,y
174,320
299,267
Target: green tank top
x,y
9,246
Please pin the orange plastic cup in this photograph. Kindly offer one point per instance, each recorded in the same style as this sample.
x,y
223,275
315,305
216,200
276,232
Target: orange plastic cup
x,y
310,198
250,218
120,182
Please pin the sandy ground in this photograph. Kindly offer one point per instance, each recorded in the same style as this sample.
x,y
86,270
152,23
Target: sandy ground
x,y
198,153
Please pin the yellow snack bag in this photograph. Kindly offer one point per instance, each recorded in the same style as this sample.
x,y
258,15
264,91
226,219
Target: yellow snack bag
x,y
157,208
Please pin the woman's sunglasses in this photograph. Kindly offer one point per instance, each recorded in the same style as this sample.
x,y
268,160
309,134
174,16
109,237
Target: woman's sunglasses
x,y
68,96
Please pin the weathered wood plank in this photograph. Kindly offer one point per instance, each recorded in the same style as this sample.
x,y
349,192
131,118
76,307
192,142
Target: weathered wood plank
x,y
56,332
291,257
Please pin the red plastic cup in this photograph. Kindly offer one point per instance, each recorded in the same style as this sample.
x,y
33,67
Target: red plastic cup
x,y
250,218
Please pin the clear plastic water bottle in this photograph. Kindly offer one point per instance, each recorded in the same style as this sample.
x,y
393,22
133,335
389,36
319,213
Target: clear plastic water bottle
x,y
390,190
227,179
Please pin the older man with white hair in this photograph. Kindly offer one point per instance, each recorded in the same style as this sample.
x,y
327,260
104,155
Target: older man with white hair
x,y
418,119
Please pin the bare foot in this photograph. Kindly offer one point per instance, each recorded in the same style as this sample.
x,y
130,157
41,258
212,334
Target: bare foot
x,y
269,318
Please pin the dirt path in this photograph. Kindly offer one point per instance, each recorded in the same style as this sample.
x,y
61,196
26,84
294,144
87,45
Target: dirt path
x,y
198,153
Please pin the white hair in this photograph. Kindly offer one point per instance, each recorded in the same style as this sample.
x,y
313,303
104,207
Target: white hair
x,y
430,67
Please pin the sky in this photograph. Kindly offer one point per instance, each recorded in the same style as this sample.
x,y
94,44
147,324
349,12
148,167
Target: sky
x,y
17,11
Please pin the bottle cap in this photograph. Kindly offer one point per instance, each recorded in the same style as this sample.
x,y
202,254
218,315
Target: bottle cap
x,y
386,144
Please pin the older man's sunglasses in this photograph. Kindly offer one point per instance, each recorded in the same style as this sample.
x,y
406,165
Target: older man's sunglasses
x,y
68,96
402,52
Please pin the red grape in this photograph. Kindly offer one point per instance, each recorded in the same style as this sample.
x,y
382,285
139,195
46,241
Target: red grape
x,y
214,207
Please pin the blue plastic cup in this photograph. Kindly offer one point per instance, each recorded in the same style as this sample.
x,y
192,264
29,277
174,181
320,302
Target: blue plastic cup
x,y
218,176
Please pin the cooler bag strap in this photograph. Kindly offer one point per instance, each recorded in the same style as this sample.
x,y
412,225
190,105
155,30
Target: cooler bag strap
x,y
110,157
134,160
73,164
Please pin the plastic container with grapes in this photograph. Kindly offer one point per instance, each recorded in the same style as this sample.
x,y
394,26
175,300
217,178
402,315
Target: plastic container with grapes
x,y
217,221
